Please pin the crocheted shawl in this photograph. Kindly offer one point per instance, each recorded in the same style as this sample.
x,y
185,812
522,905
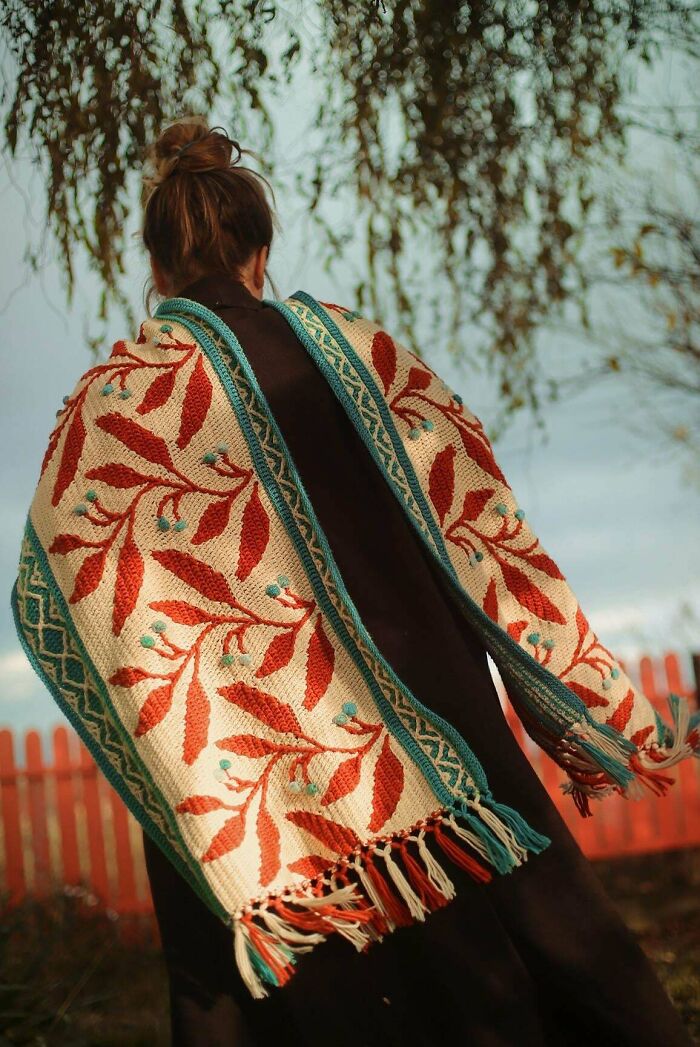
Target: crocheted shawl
x,y
180,601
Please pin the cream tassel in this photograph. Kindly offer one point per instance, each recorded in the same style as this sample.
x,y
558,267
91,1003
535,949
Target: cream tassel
x,y
413,902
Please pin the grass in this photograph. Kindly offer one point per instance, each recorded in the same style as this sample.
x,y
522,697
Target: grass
x,y
76,976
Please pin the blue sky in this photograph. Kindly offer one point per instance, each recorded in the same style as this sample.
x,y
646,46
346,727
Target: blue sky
x,y
616,516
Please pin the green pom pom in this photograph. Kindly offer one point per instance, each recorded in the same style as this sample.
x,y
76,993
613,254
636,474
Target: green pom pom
x,y
209,458
350,708
66,399
164,523
427,424
614,673
533,638
91,495
295,787
179,525
312,788
340,719
222,448
607,684
147,641
272,589
80,509
244,659
107,389
478,555
549,644
457,398
501,509
125,394
519,514
413,434
283,580
227,659
224,764
159,627
165,328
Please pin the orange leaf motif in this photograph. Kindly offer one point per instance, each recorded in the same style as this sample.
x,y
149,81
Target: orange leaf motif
x,y
195,404
384,358
128,584
226,840
72,450
344,780
263,706
196,721
213,521
154,708
269,840
319,665
278,653
528,595
255,532
441,481
89,575
388,786
338,838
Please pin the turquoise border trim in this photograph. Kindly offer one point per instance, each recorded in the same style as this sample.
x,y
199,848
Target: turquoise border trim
x,y
172,309
515,655
190,873
379,400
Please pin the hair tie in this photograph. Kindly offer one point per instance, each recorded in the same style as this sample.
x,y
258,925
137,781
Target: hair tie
x,y
182,149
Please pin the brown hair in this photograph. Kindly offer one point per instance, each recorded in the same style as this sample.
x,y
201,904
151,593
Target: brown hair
x,y
202,213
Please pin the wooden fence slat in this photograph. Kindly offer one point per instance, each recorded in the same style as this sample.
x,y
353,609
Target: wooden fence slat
x,y
36,790
126,899
64,770
99,880
15,882
618,826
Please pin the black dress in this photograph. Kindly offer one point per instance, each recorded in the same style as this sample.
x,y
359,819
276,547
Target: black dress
x,y
537,956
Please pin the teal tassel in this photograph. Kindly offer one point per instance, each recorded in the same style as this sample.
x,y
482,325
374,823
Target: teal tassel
x,y
617,771
524,833
499,855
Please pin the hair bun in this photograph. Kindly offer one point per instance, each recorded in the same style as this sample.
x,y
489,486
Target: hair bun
x,y
191,146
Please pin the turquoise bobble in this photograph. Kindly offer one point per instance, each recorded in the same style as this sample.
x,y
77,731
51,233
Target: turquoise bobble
x,y
66,399
209,458
227,659
478,555
224,764
272,589
350,708
607,684
340,719
534,639
295,787
501,509
427,424
107,389
91,495
283,580
179,525
163,523
80,509
165,329
312,788
222,448
159,627
549,644
125,394
519,514
614,673
244,659
457,398
147,641
413,434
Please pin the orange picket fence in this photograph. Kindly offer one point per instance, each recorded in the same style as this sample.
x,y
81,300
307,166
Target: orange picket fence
x,y
61,823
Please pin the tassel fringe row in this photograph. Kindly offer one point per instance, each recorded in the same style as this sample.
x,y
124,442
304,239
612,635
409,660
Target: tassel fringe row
x,y
382,885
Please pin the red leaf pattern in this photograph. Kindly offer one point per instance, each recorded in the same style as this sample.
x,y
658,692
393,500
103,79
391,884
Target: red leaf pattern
x,y
196,721
338,838
344,780
89,575
72,450
247,745
154,708
196,403
528,595
388,787
255,533
384,358
137,438
116,475
198,574
158,391
278,653
319,665
228,838
213,521
441,481
269,839
128,583
263,706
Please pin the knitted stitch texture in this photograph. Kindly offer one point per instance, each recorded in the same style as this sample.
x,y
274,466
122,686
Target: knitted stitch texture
x,y
179,599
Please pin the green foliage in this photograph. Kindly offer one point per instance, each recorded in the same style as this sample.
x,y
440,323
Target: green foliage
x,y
467,129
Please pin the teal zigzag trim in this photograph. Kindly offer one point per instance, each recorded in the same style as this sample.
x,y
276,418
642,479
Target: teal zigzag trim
x,y
549,700
49,639
244,382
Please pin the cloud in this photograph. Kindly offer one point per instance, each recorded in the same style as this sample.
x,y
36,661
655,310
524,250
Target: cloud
x,y
17,678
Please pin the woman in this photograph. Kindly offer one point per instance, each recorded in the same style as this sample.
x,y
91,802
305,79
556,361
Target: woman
x,y
540,956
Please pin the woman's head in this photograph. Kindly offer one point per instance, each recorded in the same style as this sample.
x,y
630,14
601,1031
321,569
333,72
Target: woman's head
x,y
203,212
